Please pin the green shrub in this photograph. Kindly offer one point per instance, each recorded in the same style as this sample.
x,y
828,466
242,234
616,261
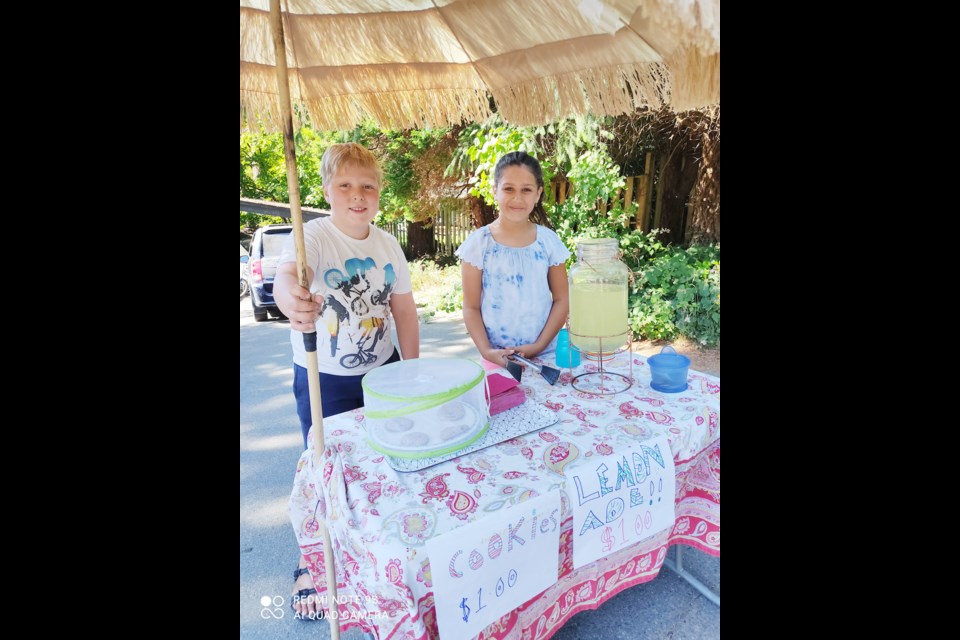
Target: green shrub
x,y
678,293
436,287
452,299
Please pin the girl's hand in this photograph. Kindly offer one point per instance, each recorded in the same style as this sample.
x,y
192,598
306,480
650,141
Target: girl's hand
x,y
527,350
498,356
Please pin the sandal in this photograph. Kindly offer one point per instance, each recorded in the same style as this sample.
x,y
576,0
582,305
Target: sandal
x,y
303,594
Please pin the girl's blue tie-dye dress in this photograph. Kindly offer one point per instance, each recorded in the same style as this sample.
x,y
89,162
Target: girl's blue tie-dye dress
x,y
516,300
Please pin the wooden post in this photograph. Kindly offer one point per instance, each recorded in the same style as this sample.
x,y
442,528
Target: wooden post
x,y
448,217
658,210
642,209
644,189
296,217
648,194
628,199
562,193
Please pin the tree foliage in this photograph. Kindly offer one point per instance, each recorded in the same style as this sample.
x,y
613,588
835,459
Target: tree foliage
x,y
413,163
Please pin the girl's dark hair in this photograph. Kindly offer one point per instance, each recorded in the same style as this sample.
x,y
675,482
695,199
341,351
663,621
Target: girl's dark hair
x,y
521,158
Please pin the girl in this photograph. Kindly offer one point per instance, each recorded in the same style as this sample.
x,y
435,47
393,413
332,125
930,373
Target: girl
x,y
514,274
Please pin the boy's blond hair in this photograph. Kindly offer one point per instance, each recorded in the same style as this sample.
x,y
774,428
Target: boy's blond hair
x,y
348,153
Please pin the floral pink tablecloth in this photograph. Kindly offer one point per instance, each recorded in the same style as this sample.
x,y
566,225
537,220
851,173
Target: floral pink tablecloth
x,y
380,519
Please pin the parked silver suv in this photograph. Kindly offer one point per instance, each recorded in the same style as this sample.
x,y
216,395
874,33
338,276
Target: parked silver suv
x,y
265,250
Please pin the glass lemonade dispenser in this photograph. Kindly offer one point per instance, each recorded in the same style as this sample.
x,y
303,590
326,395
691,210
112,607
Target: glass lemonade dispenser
x,y
598,313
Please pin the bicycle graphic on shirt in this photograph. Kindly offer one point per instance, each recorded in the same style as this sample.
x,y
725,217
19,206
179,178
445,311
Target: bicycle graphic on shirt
x,y
335,279
372,328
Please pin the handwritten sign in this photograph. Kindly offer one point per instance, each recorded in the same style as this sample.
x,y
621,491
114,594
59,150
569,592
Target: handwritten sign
x,y
487,568
620,499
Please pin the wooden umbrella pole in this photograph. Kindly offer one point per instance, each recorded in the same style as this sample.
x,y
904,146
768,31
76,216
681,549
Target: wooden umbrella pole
x,y
309,340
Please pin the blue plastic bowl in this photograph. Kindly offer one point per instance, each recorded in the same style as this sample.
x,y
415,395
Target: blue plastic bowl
x,y
668,371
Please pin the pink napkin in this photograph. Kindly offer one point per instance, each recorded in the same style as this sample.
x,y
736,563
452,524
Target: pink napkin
x,y
504,390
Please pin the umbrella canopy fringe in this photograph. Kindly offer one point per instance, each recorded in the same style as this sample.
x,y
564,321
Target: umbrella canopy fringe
x,y
401,109
687,80
263,109
694,79
390,109
606,91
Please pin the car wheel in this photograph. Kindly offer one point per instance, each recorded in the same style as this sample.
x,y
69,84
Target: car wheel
x,y
259,313
276,313
244,288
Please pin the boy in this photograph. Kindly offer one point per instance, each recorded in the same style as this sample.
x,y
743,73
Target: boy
x,y
360,281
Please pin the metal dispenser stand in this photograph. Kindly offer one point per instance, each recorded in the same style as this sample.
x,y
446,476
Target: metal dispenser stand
x,y
602,382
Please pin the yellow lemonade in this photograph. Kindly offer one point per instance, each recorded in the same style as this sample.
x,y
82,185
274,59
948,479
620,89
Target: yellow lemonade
x,y
598,310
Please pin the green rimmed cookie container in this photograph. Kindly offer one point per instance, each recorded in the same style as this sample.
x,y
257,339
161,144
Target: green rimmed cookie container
x,y
425,407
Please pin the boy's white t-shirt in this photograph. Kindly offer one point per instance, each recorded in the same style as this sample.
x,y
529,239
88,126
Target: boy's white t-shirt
x,y
356,279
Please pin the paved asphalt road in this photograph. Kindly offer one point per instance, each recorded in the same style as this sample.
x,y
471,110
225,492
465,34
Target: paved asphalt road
x,y
270,445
